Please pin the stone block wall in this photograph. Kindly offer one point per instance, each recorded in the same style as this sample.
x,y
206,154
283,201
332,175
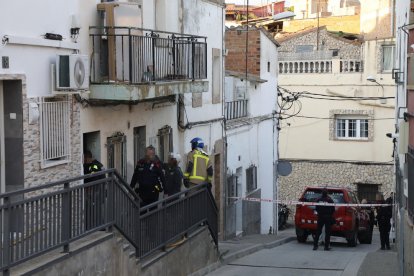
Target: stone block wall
x,y
347,49
33,173
334,173
236,45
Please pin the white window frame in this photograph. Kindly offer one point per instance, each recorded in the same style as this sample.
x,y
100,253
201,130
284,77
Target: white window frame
x,y
359,120
55,132
392,46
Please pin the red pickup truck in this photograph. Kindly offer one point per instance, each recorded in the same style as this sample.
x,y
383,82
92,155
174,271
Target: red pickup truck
x,y
353,223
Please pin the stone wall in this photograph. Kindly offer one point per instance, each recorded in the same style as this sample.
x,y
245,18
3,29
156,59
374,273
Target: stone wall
x,y
347,49
236,45
33,173
110,258
335,173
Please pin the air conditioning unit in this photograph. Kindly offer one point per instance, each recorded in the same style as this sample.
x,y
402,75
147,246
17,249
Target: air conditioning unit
x,y
72,72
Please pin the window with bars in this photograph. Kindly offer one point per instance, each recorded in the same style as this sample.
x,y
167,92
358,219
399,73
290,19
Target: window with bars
x,y
351,128
54,132
367,191
251,179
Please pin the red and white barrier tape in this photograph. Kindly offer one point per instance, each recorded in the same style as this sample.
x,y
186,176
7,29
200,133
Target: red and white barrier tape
x,y
296,202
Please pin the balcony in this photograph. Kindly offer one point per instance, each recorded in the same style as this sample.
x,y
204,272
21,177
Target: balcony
x,y
324,66
133,64
236,109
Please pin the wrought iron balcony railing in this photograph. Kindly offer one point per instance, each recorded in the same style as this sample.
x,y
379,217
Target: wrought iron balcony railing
x,y
136,56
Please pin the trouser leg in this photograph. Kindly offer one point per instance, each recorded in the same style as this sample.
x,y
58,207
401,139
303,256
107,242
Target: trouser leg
x,y
318,233
327,233
382,237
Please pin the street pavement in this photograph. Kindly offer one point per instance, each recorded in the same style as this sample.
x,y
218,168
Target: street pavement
x,y
294,258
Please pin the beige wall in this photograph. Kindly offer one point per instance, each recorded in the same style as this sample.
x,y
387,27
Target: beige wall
x,y
310,138
377,13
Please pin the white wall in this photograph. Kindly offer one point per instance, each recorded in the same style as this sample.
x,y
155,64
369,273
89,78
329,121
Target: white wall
x,y
256,144
31,20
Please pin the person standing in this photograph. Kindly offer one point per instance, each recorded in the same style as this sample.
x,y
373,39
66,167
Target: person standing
x,y
325,219
199,169
384,214
173,175
148,179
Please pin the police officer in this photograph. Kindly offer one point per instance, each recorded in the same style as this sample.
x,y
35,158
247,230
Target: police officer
x,y
199,169
384,214
94,198
149,176
173,175
325,218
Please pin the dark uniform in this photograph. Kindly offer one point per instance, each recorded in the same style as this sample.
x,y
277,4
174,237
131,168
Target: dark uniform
x,y
94,196
384,214
150,178
325,218
173,180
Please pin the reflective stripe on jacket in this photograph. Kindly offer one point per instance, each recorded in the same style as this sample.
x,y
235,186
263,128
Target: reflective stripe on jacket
x,y
199,168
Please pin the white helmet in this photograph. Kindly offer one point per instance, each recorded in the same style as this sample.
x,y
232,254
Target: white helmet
x,y
176,156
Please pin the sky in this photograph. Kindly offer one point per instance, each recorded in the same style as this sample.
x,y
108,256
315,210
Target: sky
x,y
251,2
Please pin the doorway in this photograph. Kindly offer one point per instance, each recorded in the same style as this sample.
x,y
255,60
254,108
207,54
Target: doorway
x,y
239,206
11,135
92,142
140,143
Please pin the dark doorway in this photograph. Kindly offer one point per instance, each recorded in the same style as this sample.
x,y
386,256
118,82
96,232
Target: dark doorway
x,y
140,143
92,142
12,132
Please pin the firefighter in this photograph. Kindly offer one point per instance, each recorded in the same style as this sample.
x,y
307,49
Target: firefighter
x,y
149,176
199,169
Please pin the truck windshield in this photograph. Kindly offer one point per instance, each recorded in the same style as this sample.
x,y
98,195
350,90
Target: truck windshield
x,y
314,195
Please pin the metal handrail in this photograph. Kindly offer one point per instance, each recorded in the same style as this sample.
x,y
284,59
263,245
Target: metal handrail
x,y
143,29
32,225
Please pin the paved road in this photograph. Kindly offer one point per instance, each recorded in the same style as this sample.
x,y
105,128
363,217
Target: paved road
x,y
299,259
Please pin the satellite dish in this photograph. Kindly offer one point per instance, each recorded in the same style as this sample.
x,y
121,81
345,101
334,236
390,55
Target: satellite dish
x,y
284,168
79,73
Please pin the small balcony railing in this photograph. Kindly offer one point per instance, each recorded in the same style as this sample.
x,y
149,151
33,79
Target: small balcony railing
x,y
305,66
236,109
321,66
351,66
136,56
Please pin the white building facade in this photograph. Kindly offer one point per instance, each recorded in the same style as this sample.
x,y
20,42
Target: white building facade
x,y
156,78
251,134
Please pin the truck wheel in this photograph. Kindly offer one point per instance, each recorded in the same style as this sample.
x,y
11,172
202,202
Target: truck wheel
x,y
301,235
352,239
366,236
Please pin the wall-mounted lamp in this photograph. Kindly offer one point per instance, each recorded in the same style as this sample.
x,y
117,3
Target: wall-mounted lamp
x,y
75,28
372,79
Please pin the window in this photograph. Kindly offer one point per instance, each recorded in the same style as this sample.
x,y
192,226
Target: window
x,y
304,48
367,191
351,128
232,186
387,60
54,132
